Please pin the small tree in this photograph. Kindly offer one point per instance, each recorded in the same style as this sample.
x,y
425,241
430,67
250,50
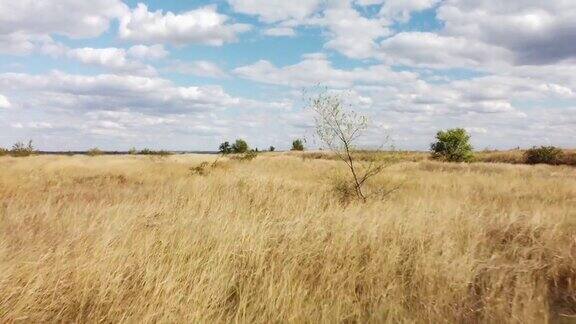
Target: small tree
x,y
133,151
452,145
240,146
338,129
272,148
225,148
297,145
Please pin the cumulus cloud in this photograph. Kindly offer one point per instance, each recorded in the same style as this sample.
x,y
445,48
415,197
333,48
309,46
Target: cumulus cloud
x,y
113,92
23,22
203,25
144,52
115,59
77,19
16,43
276,10
537,32
425,49
317,69
504,70
351,33
198,68
402,9
4,103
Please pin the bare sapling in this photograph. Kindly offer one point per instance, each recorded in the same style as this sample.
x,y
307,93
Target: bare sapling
x,y
338,128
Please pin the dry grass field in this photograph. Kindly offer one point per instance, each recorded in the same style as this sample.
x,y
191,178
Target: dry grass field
x,y
145,239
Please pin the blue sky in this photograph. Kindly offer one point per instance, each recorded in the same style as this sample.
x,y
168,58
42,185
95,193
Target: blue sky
x,y
188,75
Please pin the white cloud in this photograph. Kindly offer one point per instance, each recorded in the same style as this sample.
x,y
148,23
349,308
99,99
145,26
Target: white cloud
x,y
16,43
112,92
316,69
537,32
351,33
424,49
22,23
402,9
33,125
144,52
198,68
276,10
199,26
280,31
111,58
4,103
77,19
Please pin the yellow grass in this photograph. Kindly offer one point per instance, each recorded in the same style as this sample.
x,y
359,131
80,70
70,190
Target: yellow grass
x,y
144,239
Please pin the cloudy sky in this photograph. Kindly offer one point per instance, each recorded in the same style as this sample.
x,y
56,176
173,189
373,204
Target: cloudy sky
x,y
178,74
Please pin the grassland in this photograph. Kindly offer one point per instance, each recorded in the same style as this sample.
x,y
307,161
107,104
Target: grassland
x,y
150,239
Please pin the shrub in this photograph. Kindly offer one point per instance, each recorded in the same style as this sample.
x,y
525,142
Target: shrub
x,y
21,150
297,145
240,146
248,156
452,145
200,169
132,151
147,151
344,190
225,148
543,154
94,152
3,151
272,148
251,155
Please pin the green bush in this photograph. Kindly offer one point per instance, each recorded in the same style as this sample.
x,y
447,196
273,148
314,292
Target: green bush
x,y
132,151
3,151
225,148
452,145
94,152
544,154
240,146
272,148
297,145
21,150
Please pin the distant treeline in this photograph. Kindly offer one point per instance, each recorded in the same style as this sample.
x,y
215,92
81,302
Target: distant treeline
x,y
121,152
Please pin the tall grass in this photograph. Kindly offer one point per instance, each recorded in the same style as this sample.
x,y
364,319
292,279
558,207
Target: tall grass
x,y
136,239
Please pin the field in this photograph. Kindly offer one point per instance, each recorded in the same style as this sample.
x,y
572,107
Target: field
x,y
276,239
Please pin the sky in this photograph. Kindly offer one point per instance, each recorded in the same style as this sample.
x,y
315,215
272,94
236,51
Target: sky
x,y
188,75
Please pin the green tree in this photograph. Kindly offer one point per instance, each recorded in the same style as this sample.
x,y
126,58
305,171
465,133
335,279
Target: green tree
x,y
297,145
240,146
272,148
452,145
225,148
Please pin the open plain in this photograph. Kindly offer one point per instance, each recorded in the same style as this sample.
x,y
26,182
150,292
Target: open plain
x,y
278,239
